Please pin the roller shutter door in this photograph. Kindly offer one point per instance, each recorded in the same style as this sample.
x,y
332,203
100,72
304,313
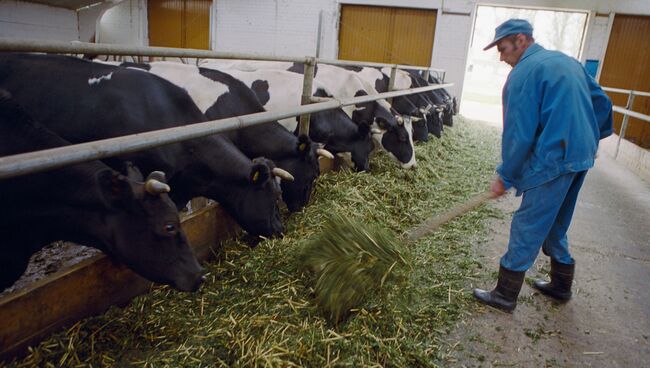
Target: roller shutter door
x,y
386,35
627,65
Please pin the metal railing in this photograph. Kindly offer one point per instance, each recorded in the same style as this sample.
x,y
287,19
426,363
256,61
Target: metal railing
x,y
32,162
37,161
11,44
626,111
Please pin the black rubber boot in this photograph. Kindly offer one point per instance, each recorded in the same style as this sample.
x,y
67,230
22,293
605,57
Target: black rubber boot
x,y
561,279
504,295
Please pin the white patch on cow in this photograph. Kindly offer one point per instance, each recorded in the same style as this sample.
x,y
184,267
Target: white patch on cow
x,y
93,81
409,129
285,90
203,91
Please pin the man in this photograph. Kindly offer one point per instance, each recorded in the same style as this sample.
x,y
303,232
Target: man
x,y
554,114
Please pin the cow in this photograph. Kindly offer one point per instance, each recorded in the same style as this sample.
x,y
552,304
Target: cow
x,y
391,134
416,106
130,219
218,96
440,97
332,128
278,89
82,101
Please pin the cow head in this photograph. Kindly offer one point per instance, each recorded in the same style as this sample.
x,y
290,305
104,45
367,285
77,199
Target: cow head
x,y
143,229
396,137
253,201
305,169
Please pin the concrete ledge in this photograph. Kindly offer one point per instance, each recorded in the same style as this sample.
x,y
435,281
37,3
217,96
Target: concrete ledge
x,y
635,158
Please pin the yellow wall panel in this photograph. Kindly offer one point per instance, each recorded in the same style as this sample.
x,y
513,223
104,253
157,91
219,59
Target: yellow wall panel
x,y
627,65
179,23
386,35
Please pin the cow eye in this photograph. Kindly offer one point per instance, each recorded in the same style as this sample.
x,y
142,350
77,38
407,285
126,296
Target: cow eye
x,y
170,228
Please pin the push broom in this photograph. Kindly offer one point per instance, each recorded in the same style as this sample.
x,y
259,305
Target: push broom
x,y
352,260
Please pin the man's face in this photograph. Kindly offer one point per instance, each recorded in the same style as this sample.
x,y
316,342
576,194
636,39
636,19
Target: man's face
x,y
511,49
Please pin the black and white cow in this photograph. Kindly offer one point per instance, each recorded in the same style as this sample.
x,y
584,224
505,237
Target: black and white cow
x,y
131,219
391,134
219,95
279,89
84,101
413,105
440,97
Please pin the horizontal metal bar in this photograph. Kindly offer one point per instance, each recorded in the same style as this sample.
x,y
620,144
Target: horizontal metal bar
x,y
316,99
620,90
32,162
371,64
9,44
631,113
24,45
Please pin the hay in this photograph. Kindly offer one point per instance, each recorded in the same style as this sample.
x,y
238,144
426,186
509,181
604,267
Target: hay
x,y
256,308
351,261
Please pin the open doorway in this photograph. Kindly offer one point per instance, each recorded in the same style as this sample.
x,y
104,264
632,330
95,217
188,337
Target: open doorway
x,y
485,75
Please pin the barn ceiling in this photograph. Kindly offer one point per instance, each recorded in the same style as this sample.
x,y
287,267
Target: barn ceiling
x,y
68,4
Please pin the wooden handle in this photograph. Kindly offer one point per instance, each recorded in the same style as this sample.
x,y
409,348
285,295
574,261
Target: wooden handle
x,y
435,222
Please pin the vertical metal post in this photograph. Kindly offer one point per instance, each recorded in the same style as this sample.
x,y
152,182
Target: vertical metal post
x,y
391,82
425,75
626,117
306,93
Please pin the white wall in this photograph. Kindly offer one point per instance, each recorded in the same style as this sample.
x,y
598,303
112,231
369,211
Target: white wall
x,y
290,27
33,21
274,27
125,23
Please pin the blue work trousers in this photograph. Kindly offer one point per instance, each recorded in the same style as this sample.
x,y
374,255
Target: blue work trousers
x,y
542,220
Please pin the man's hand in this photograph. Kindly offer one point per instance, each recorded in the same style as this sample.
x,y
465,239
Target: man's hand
x,y
497,187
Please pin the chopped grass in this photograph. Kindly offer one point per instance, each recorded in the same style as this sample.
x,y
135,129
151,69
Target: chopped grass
x,y
259,306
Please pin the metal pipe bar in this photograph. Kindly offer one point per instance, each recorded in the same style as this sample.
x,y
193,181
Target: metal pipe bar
x,y
307,83
626,118
8,44
25,45
620,90
373,64
32,162
391,82
631,113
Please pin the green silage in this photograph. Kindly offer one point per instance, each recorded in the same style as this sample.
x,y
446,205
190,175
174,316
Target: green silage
x,y
258,307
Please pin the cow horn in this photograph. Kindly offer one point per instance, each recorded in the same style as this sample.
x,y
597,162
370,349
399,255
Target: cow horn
x,y
415,119
153,186
282,174
324,153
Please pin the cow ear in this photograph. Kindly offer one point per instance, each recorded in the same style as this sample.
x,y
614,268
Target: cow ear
x,y
260,173
114,189
304,144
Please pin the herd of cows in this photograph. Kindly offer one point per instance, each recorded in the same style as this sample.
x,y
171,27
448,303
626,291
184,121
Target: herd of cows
x,y
49,101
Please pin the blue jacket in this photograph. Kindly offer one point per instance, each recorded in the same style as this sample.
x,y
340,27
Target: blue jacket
x,y
554,114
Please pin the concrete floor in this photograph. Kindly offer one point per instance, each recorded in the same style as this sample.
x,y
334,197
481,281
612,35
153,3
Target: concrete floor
x,y
607,323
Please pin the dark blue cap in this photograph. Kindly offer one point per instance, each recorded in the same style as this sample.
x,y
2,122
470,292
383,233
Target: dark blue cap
x,y
510,27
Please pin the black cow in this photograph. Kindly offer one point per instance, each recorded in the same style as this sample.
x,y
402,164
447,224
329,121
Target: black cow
x,y
85,101
219,96
132,221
